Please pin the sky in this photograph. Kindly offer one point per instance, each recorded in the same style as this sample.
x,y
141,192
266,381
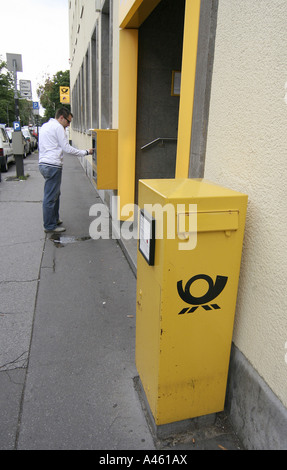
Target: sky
x,y
39,31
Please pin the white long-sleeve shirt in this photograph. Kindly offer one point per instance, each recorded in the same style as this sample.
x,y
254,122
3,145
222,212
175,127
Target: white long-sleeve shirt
x,y
53,142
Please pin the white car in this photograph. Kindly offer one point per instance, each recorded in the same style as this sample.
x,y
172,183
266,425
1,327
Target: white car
x,y
6,149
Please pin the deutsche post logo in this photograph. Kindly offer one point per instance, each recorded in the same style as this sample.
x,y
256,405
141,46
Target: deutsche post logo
x,y
214,289
64,94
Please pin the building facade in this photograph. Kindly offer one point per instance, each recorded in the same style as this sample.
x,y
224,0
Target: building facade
x,y
193,89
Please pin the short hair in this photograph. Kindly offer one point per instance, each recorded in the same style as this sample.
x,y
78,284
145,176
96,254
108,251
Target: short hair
x,y
63,112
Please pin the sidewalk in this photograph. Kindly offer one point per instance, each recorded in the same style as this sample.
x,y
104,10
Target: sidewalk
x,y
67,330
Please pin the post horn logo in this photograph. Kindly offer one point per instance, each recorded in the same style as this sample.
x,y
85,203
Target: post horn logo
x,y
214,289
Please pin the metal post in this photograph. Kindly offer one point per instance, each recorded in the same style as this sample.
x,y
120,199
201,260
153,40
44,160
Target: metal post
x,y
17,112
18,148
19,165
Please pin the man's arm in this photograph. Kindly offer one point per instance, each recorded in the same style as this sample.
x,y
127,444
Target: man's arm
x,y
67,148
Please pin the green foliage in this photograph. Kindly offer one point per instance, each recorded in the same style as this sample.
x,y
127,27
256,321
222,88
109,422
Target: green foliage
x,y
7,103
26,112
49,93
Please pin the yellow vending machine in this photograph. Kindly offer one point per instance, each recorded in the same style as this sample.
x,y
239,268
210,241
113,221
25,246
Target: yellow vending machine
x,y
188,263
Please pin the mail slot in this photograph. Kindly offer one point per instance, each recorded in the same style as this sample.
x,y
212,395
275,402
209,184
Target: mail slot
x,y
186,297
209,221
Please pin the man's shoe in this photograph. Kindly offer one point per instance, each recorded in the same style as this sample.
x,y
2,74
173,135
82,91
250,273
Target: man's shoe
x,y
56,230
59,222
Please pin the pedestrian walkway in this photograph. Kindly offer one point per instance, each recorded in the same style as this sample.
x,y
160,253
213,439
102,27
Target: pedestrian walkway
x,y
67,330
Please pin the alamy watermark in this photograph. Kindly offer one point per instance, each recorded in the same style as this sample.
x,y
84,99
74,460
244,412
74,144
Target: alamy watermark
x,y
176,222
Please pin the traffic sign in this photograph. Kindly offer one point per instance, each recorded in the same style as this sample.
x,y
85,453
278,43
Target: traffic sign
x,y
16,126
26,89
14,62
36,108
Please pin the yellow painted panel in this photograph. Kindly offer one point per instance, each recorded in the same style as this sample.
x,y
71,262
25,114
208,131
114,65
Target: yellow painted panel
x,y
189,57
107,158
148,323
134,12
127,10
128,69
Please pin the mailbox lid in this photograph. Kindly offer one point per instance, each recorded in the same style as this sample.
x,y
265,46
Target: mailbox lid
x,y
188,188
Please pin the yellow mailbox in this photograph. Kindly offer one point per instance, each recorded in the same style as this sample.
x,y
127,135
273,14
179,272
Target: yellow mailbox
x,y
188,263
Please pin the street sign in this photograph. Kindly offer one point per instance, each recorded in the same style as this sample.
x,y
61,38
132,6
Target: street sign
x,y
14,62
36,107
64,94
26,89
16,126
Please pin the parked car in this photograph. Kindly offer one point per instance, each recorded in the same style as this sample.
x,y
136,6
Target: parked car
x,y
28,138
34,137
29,135
6,149
26,146
9,131
35,132
34,141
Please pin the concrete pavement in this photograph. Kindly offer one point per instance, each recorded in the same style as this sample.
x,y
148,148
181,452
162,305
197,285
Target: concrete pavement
x,y
67,330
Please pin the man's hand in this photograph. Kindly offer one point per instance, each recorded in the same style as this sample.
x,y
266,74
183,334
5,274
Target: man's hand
x,y
91,151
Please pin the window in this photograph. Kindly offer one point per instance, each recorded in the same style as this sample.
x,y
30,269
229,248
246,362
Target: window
x,y
4,135
87,91
94,79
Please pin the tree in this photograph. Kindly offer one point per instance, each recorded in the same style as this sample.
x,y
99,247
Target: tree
x,y
7,100
26,112
7,103
49,93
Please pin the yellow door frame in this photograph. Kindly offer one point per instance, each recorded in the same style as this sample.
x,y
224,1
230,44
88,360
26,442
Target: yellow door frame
x,y
132,13
128,73
188,73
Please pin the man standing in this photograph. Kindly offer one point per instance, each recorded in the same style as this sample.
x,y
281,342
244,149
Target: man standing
x,y
52,143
